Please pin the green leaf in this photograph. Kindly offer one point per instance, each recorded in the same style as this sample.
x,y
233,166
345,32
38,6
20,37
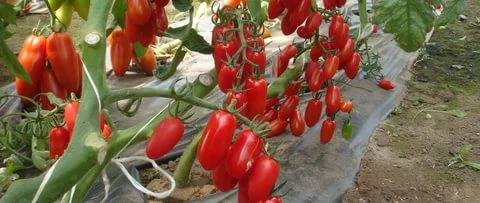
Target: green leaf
x,y
139,49
256,11
408,20
40,155
195,42
13,163
7,13
450,13
178,32
118,10
11,62
166,71
182,5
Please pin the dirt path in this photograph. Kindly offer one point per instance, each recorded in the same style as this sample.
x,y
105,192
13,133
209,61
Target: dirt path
x,y
407,158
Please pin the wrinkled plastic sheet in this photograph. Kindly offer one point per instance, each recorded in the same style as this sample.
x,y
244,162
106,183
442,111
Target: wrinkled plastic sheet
x,y
314,172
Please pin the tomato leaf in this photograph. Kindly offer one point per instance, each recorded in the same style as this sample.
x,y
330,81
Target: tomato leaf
x,y
166,71
7,13
10,60
139,49
195,42
39,153
118,10
178,32
255,8
408,20
450,13
182,5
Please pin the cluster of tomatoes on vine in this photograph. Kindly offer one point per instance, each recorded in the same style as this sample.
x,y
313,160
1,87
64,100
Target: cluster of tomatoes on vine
x,y
144,21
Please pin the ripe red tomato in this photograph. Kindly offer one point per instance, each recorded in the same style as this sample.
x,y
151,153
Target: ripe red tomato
x,y
317,80
50,84
340,3
222,180
335,25
289,3
288,106
242,152
313,112
70,114
240,100
121,50
106,132
243,191
283,59
329,4
386,84
161,19
328,128
216,139
300,12
315,52
226,77
131,29
272,102
58,140
220,31
304,33
297,124
162,3
341,37
312,65
256,92
346,106
148,62
139,11
270,115
292,88
273,200
289,51
258,58
223,52
332,100
262,177
275,8
277,127
351,69
164,137
32,57
287,28
330,67
346,53
313,21
60,53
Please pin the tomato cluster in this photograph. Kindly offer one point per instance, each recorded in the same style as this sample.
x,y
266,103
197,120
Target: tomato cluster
x,y
144,20
60,136
53,66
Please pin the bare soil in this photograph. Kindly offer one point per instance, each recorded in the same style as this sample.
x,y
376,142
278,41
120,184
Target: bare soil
x,y
407,158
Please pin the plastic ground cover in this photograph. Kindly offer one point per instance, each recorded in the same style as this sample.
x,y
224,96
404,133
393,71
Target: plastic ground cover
x,y
314,172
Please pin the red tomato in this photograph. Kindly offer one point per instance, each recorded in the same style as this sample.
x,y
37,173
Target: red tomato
x,y
78,91
315,52
32,57
60,53
289,51
161,19
280,65
346,106
226,77
289,3
273,200
313,112
341,37
148,62
242,152
277,127
121,50
216,139
131,29
304,33
332,100
283,59
222,180
262,177
50,84
223,52
317,80
106,132
351,68
287,28
328,128
243,190
164,137
256,92
312,65
220,31
70,114
162,3
314,21
335,25
233,3
346,53
139,11
300,12
386,84
272,102
240,100
292,88
275,8
288,106
297,124
270,115
149,30
58,140
329,4
330,67
340,3
258,58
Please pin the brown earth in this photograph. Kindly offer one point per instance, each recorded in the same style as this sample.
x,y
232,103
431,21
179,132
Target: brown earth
x,y
408,156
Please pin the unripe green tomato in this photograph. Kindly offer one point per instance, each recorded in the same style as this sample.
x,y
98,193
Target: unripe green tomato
x,y
82,7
